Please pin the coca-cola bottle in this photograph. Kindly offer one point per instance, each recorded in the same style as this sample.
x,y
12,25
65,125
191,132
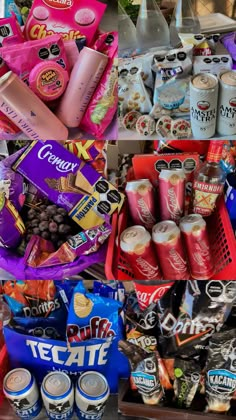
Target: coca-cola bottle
x,y
209,181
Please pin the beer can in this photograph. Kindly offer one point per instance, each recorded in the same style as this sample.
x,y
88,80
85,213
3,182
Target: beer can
x,y
151,291
172,194
91,394
141,201
193,228
169,248
203,105
137,245
58,395
226,121
21,390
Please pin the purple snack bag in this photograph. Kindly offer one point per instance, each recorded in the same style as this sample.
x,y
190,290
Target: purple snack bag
x,y
229,41
11,224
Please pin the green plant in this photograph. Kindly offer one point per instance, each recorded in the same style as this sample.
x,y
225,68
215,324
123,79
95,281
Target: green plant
x,y
133,9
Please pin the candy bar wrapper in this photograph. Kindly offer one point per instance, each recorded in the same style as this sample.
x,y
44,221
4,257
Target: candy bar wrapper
x,y
11,225
41,253
10,31
69,182
87,150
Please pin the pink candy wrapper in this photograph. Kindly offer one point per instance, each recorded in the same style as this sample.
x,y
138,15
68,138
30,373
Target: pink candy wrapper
x,y
104,102
41,253
22,60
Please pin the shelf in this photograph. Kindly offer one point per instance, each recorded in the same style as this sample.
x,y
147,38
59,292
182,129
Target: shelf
x,y
133,135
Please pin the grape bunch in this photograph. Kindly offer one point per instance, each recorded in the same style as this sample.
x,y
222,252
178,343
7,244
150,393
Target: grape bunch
x,y
50,222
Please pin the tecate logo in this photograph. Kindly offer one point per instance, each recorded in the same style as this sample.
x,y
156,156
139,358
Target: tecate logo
x,y
59,4
203,105
232,102
60,164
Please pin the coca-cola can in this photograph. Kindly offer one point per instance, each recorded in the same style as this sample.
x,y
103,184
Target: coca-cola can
x,y
137,245
226,121
172,194
203,105
166,237
150,291
193,228
141,201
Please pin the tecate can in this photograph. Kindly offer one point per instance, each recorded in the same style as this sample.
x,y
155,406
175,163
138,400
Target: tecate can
x,y
91,394
226,121
203,105
21,390
193,228
58,395
172,194
137,245
84,79
141,201
166,237
150,291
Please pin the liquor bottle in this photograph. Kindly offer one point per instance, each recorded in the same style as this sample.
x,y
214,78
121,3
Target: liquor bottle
x,y
152,29
184,21
209,181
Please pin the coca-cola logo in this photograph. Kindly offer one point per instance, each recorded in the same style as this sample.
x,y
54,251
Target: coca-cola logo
x,y
144,213
203,105
173,204
176,261
145,298
59,4
146,269
232,102
202,255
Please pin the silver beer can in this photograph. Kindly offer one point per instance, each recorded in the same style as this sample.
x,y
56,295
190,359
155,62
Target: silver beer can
x,y
226,121
21,390
91,394
203,105
58,395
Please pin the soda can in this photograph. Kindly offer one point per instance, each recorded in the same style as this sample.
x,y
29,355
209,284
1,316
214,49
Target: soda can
x,y
150,291
58,395
166,237
193,228
226,121
21,390
172,194
136,243
91,394
203,105
141,201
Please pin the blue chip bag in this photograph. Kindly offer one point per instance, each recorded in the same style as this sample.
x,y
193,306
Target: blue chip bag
x,y
113,290
47,328
91,317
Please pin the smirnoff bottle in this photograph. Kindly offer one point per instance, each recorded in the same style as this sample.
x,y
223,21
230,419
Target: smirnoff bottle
x,y
209,181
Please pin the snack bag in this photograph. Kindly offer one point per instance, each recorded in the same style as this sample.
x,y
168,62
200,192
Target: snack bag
x,y
228,40
91,317
186,383
11,183
92,151
12,227
103,104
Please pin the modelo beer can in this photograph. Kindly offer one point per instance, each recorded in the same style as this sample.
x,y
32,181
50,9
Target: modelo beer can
x,y
203,105
172,194
21,390
166,237
141,201
91,394
226,121
193,228
137,245
58,396
150,291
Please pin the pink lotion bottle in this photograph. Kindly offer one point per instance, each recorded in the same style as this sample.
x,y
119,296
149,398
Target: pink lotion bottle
x,y
84,79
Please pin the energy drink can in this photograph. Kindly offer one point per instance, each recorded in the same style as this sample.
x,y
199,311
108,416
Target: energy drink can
x,y
58,395
226,121
21,390
92,392
203,105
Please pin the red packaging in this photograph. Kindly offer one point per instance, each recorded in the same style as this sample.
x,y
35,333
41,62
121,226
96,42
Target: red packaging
x,y
193,228
166,237
141,201
171,146
136,243
172,194
151,291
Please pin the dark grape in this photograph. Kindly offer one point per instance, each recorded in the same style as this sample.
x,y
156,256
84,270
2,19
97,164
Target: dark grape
x,y
45,235
54,237
31,214
44,216
58,218
53,228
64,229
43,226
42,207
51,210
61,211
35,223
36,231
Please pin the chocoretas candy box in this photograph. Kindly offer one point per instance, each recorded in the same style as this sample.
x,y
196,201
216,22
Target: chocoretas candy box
x,y
69,182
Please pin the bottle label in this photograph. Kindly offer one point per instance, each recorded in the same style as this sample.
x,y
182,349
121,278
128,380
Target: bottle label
x,y
205,197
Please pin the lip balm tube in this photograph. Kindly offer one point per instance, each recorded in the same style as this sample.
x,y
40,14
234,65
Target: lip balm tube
x,y
27,111
84,79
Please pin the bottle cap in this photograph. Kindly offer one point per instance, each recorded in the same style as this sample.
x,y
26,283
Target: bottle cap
x,y
215,151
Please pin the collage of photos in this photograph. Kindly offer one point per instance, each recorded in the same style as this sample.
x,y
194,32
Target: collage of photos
x,y
117,209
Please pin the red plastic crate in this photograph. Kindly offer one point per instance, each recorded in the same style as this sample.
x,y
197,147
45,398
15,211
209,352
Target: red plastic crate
x,y
222,240
4,368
